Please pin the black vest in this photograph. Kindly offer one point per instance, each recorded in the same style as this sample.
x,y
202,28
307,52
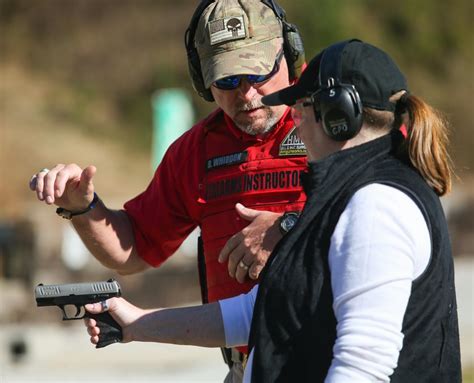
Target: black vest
x,y
294,329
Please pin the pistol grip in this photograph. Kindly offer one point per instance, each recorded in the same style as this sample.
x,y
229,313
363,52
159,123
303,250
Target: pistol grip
x,y
110,330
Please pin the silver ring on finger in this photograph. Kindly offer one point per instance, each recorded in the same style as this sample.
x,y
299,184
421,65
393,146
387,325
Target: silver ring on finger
x,y
243,265
44,170
105,305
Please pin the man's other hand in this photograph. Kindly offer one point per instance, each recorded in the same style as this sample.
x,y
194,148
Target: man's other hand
x,y
248,250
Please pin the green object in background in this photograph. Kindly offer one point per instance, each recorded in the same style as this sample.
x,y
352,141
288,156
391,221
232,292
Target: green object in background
x,y
173,115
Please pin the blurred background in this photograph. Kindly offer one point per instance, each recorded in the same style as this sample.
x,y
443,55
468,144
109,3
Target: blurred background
x,y
87,81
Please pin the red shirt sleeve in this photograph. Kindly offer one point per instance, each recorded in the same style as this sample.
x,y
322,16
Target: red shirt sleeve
x,y
168,210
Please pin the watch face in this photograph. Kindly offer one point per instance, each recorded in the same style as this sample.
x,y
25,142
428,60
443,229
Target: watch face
x,y
288,221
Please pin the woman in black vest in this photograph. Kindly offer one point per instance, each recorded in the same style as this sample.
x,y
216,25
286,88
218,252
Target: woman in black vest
x,y
362,288
368,288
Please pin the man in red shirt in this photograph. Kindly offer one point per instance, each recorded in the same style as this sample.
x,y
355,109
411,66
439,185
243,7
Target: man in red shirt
x,y
233,174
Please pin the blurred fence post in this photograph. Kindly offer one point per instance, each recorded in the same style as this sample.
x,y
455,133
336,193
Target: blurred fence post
x,y
172,116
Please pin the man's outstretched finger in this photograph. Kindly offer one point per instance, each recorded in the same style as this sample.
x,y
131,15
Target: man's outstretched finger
x,y
87,175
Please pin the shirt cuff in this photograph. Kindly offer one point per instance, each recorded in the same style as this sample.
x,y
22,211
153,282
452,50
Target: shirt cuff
x,y
237,317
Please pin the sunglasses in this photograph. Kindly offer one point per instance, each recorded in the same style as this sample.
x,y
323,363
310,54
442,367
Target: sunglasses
x,y
233,82
298,109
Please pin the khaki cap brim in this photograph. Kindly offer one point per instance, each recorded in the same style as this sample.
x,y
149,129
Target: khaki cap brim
x,y
257,59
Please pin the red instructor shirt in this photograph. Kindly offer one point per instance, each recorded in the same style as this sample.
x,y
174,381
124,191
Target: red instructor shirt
x,y
202,176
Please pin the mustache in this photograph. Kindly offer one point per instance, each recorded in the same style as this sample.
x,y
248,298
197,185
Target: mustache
x,y
253,104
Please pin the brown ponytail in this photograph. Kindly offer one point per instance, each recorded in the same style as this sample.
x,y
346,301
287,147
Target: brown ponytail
x,y
426,143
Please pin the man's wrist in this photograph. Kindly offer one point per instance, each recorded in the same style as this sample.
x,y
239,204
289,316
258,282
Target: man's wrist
x,y
68,214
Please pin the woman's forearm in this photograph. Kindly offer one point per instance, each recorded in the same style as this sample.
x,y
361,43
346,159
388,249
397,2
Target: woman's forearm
x,y
197,326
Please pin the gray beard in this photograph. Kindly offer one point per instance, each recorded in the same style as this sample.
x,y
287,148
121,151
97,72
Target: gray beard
x,y
270,120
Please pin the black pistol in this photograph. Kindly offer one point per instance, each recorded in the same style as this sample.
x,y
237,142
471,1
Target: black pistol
x,y
78,295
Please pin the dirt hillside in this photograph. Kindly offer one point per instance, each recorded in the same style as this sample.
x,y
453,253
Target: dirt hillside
x,y
35,132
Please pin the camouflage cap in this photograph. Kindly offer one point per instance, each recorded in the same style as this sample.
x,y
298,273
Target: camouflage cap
x,y
237,37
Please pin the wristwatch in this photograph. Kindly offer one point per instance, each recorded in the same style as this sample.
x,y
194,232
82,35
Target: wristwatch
x,y
287,221
68,214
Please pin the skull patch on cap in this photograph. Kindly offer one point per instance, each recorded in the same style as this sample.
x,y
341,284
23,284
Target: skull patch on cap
x,y
227,29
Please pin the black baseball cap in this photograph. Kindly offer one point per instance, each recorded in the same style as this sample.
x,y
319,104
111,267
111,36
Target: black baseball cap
x,y
374,74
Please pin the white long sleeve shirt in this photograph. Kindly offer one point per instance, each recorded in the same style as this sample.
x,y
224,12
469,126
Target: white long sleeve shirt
x,y
381,243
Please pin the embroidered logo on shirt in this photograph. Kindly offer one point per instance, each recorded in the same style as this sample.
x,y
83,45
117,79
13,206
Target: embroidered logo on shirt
x,y
227,29
227,160
292,145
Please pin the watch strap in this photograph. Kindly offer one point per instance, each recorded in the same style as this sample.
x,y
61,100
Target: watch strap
x,y
68,214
